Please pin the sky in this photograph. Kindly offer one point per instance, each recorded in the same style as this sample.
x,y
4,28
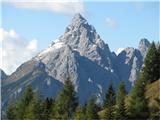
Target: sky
x,y
29,27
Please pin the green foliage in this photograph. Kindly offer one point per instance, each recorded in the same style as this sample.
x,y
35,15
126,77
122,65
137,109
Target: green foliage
x,y
158,50
47,106
23,103
65,103
79,113
138,104
120,113
151,67
91,110
19,108
155,110
109,103
33,110
11,115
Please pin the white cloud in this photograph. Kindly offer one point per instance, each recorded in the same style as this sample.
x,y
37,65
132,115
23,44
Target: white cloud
x,y
111,22
14,50
59,6
119,50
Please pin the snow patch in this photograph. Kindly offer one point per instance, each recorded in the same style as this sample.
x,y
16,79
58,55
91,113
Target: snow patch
x,y
75,49
112,70
58,45
119,50
19,90
106,68
89,80
56,40
48,82
52,48
99,87
94,45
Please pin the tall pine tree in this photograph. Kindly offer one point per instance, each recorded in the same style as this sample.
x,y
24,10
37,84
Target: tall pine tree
x,y
11,115
91,110
109,103
65,103
34,109
158,51
151,65
79,113
23,103
138,105
47,106
120,113
19,108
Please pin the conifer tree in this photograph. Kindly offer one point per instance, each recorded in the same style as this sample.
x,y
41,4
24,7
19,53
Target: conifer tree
x,y
120,113
91,110
18,109
11,112
151,65
79,113
24,101
47,106
65,103
33,110
158,51
109,103
138,104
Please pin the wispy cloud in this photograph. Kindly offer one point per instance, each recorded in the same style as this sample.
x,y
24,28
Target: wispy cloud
x,y
15,50
68,7
110,22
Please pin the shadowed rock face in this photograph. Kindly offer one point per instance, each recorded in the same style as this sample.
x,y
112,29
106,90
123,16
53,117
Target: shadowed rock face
x,y
83,56
130,61
3,75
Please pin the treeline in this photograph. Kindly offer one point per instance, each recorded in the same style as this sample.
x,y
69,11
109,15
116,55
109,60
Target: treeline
x,y
118,105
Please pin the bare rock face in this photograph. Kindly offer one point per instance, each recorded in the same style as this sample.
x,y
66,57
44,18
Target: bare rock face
x,y
144,44
130,61
3,75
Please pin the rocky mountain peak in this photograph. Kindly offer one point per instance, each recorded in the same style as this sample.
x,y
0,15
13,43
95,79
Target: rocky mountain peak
x,y
78,18
82,55
144,44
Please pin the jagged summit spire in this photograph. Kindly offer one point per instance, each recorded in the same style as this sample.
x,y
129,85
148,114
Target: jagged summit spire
x,y
144,44
78,16
78,19
144,41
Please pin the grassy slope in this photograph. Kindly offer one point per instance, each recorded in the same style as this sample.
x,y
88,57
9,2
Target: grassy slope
x,y
152,92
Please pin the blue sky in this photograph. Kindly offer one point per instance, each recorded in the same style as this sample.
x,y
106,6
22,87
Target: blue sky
x,y
134,20
120,24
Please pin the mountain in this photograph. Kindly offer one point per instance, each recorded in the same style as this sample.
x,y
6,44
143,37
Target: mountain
x,y
81,55
144,44
3,75
130,61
